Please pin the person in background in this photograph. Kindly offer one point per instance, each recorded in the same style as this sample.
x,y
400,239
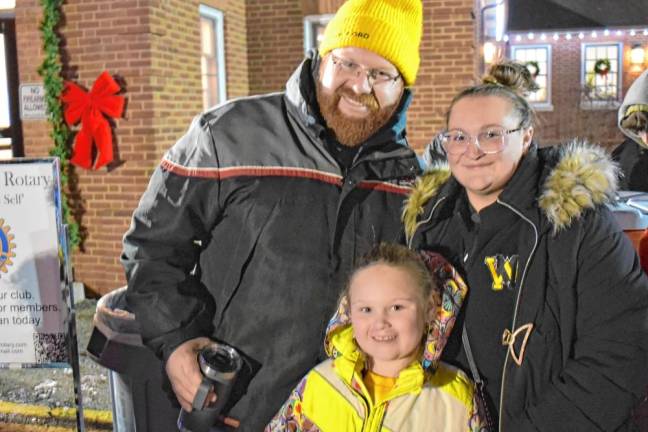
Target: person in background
x,y
384,343
433,153
632,154
556,321
257,214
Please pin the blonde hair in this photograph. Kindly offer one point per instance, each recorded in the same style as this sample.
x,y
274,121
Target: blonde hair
x,y
509,80
399,256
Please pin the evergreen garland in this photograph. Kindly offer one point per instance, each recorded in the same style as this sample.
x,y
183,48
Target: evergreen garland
x,y
50,71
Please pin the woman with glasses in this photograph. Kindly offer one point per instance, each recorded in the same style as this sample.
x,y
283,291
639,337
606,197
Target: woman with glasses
x,y
555,327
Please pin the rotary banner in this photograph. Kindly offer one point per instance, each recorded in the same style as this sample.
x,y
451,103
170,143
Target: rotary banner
x,y
34,299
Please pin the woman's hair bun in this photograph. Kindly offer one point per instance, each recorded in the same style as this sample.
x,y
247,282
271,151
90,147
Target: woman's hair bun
x,y
514,76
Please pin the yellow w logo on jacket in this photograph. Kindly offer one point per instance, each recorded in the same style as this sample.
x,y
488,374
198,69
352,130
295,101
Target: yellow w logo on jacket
x,y
503,271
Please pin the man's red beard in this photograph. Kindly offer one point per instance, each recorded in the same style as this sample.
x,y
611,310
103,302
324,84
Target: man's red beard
x,y
351,131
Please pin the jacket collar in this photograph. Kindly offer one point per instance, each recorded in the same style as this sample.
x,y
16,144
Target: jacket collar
x,y
351,364
562,182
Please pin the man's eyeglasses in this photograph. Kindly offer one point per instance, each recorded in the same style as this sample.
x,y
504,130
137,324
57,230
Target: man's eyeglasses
x,y
351,69
489,141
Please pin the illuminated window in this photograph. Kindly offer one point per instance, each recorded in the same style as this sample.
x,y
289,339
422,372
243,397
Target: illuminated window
x,y
493,13
10,124
5,121
212,61
538,60
601,78
314,26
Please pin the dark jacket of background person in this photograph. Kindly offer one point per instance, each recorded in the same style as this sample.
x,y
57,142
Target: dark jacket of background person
x,y
579,283
248,228
633,161
632,154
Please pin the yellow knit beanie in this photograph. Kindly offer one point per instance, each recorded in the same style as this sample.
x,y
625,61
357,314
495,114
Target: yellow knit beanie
x,y
390,28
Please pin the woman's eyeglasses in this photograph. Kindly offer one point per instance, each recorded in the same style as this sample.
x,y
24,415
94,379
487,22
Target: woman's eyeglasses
x,y
489,141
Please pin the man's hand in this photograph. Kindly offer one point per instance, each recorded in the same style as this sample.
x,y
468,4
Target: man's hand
x,y
185,376
184,372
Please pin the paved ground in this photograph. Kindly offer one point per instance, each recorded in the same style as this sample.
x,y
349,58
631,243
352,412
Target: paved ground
x,y
19,427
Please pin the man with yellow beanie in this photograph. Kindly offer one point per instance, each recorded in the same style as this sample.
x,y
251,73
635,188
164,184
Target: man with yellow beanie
x,y
254,217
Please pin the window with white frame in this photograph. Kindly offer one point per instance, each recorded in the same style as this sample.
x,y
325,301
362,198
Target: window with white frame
x,y
5,118
537,58
601,77
212,61
314,26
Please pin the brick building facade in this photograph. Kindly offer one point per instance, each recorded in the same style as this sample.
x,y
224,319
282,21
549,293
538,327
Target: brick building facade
x,y
572,110
154,48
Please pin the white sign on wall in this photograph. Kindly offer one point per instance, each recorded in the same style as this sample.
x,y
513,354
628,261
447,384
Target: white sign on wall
x,y
32,102
34,304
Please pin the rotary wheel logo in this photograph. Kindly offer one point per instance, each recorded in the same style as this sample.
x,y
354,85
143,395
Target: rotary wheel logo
x,y
6,247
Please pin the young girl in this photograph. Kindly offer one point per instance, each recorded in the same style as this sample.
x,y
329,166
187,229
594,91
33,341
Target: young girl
x,y
384,344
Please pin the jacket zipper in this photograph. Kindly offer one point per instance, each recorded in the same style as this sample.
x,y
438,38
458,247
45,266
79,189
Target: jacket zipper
x,y
424,221
365,423
374,414
374,420
517,301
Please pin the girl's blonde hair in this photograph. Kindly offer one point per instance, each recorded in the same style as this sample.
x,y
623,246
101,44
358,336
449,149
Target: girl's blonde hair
x,y
399,256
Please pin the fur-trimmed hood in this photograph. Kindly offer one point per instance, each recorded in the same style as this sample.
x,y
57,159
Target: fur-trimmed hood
x,y
580,176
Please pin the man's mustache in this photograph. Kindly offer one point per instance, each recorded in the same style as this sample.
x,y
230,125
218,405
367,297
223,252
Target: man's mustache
x,y
368,100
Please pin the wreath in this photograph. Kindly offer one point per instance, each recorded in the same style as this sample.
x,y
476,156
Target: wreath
x,y
602,67
533,67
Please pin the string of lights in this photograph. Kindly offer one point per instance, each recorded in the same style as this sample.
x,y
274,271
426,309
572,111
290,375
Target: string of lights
x,y
568,35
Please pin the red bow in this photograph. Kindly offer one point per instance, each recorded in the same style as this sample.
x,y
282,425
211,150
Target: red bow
x,y
90,107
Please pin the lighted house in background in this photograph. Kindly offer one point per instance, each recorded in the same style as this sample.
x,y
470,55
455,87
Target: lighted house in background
x,y
585,53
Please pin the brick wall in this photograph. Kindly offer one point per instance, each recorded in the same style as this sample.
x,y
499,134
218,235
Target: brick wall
x,y
175,54
236,45
275,42
112,36
448,64
567,119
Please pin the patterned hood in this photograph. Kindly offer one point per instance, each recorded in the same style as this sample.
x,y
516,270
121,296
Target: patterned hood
x,y
449,296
